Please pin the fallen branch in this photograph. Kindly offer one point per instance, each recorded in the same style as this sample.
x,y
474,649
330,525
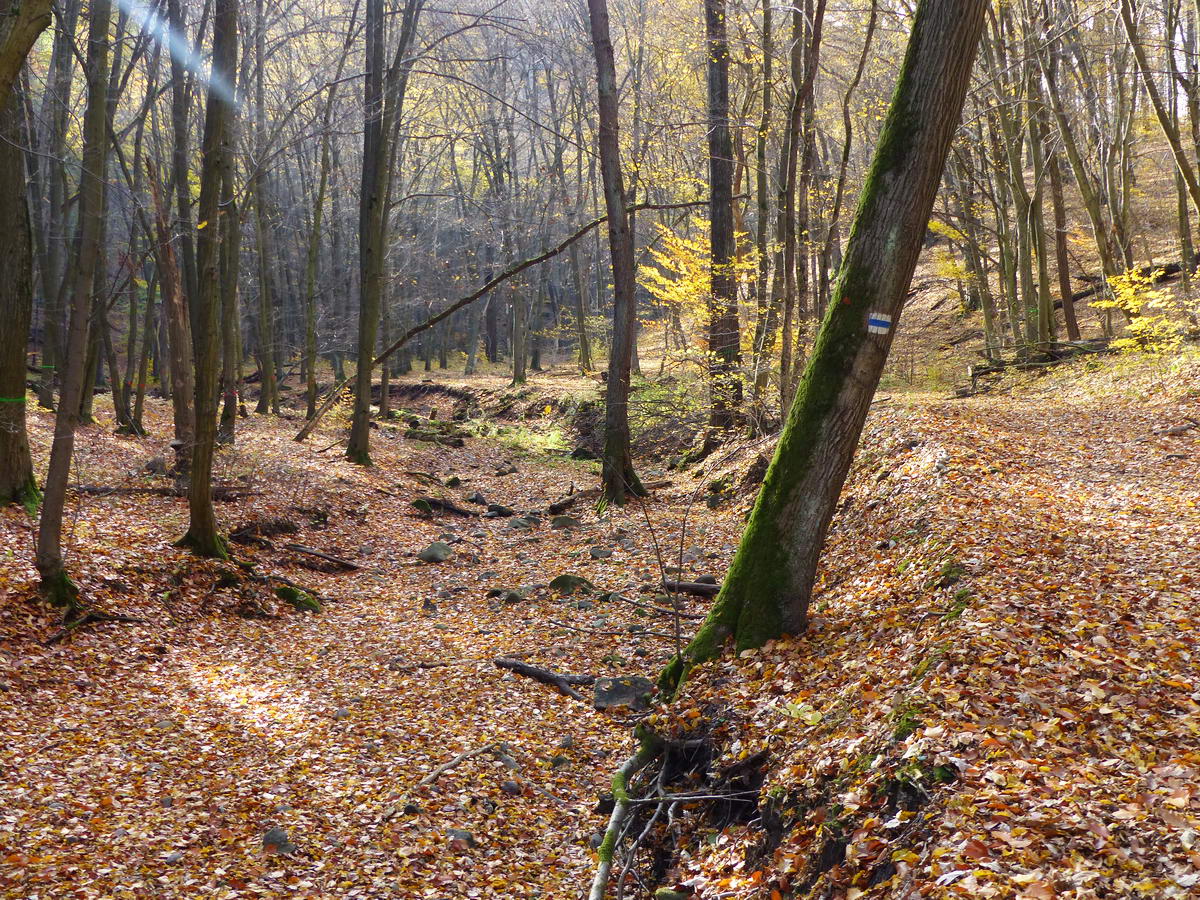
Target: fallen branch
x,y
433,776
222,492
328,557
693,587
558,680
446,506
621,809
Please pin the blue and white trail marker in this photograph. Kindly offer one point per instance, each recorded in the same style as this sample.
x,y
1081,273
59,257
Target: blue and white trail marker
x,y
879,323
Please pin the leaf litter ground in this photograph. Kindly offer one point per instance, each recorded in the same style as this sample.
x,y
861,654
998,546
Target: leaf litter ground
x,y
999,695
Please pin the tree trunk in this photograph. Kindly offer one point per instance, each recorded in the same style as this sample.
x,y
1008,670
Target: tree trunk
x,y
1061,256
618,476
723,330
55,583
216,159
20,26
180,153
383,101
231,238
17,484
179,337
769,585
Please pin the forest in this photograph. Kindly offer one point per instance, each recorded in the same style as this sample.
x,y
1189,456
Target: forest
x,y
600,449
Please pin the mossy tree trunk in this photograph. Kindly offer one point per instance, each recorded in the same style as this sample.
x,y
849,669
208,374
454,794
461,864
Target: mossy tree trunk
x,y
217,157
16,308
767,590
619,479
55,583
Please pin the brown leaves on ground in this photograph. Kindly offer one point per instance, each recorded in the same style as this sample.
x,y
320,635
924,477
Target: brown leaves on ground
x,y
999,695
1000,692
151,760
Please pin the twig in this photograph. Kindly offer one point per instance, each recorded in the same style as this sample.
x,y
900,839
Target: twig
x,y
658,634
664,610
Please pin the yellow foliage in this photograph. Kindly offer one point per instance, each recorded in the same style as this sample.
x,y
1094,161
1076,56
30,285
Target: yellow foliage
x,y
1150,329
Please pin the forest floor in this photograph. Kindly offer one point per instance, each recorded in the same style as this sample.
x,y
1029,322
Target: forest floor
x,y
999,696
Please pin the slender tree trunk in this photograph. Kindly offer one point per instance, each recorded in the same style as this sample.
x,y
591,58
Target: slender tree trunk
x,y
179,337
149,326
231,237
55,583
1062,259
724,334
202,536
619,479
180,154
370,232
764,323
17,484
769,585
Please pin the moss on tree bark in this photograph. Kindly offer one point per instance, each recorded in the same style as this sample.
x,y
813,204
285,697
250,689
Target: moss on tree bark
x,y
767,591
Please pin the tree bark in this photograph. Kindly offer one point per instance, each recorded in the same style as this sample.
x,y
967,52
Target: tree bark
x,y
17,484
22,23
618,478
202,536
769,585
724,334
179,336
56,585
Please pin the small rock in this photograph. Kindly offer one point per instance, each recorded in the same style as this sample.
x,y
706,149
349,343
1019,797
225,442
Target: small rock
x,y
453,481
498,510
572,584
705,579
585,605
436,552
275,840
166,802
562,523
478,499
599,553
626,692
156,465
521,523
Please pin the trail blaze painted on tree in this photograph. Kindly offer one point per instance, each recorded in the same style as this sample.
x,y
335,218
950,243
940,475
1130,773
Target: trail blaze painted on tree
x,y
879,323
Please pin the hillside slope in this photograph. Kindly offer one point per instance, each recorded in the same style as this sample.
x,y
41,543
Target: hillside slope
x,y
1000,692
